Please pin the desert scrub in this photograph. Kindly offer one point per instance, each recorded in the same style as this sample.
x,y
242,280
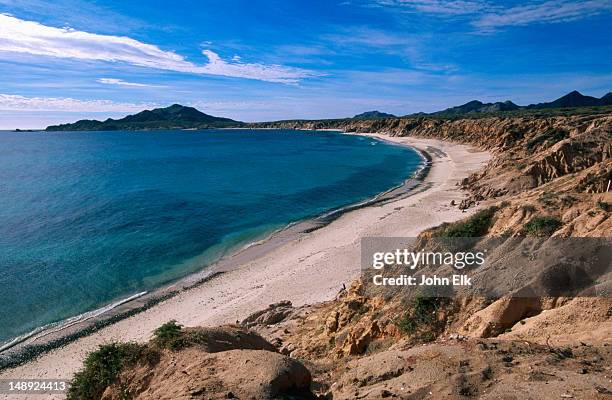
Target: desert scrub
x,y
423,313
170,336
548,198
475,226
103,366
542,226
528,208
604,205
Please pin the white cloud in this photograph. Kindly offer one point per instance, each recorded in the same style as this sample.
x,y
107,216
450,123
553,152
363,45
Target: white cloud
x,y
543,12
9,102
121,82
487,15
442,7
20,36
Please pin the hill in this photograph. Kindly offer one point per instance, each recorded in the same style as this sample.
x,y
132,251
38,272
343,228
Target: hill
x,y
373,115
175,116
575,99
476,106
572,103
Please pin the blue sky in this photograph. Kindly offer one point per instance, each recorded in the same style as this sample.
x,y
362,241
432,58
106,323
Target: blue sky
x,y
64,60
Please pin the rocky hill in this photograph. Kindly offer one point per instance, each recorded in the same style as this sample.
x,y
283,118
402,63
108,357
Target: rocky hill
x,y
575,99
373,115
476,106
175,116
572,100
547,179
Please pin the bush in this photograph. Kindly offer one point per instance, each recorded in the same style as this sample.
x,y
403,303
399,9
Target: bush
x,y
603,205
528,208
423,313
542,226
548,198
475,226
102,367
170,336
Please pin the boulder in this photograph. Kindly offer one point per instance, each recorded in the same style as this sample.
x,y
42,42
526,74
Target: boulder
x,y
228,337
241,374
274,314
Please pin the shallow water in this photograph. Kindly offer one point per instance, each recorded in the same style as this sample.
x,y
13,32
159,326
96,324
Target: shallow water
x,y
90,217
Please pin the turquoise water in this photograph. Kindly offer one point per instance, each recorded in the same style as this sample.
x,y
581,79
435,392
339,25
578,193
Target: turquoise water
x,y
91,217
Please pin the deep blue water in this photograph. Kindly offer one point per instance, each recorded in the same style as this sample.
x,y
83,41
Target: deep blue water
x,y
90,217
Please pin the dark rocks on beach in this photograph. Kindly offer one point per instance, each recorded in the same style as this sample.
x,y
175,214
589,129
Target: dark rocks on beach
x,y
466,203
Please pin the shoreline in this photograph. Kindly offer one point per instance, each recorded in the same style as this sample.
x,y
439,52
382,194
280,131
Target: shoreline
x,y
66,331
308,269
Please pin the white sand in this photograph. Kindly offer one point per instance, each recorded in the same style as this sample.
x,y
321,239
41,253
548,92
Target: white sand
x,y
308,270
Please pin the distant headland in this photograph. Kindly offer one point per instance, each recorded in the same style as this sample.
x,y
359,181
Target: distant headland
x,y
175,116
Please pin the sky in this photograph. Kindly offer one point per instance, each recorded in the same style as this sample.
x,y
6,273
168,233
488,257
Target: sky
x,y
65,60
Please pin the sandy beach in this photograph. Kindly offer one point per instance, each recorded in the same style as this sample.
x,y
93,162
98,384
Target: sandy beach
x,y
310,269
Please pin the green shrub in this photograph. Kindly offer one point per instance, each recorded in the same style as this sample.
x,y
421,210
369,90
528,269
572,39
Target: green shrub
x,y
475,226
603,205
423,312
102,367
528,208
548,198
170,336
542,226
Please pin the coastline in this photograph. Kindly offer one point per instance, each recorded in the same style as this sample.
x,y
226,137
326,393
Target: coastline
x,y
58,334
306,269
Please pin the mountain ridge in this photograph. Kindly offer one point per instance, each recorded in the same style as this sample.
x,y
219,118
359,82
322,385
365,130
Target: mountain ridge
x,y
573,99
178,116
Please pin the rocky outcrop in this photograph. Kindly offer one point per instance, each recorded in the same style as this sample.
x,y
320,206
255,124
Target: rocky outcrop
x,y
233,374
218,363
274,314
228,337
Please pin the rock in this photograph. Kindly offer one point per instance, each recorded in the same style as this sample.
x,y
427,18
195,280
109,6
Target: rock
x,y
356,343
457,336
287,349
466,203
274,314
228,337
242,374
331,324
500,315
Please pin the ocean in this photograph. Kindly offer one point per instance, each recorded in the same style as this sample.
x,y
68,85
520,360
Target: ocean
x,y
88,218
